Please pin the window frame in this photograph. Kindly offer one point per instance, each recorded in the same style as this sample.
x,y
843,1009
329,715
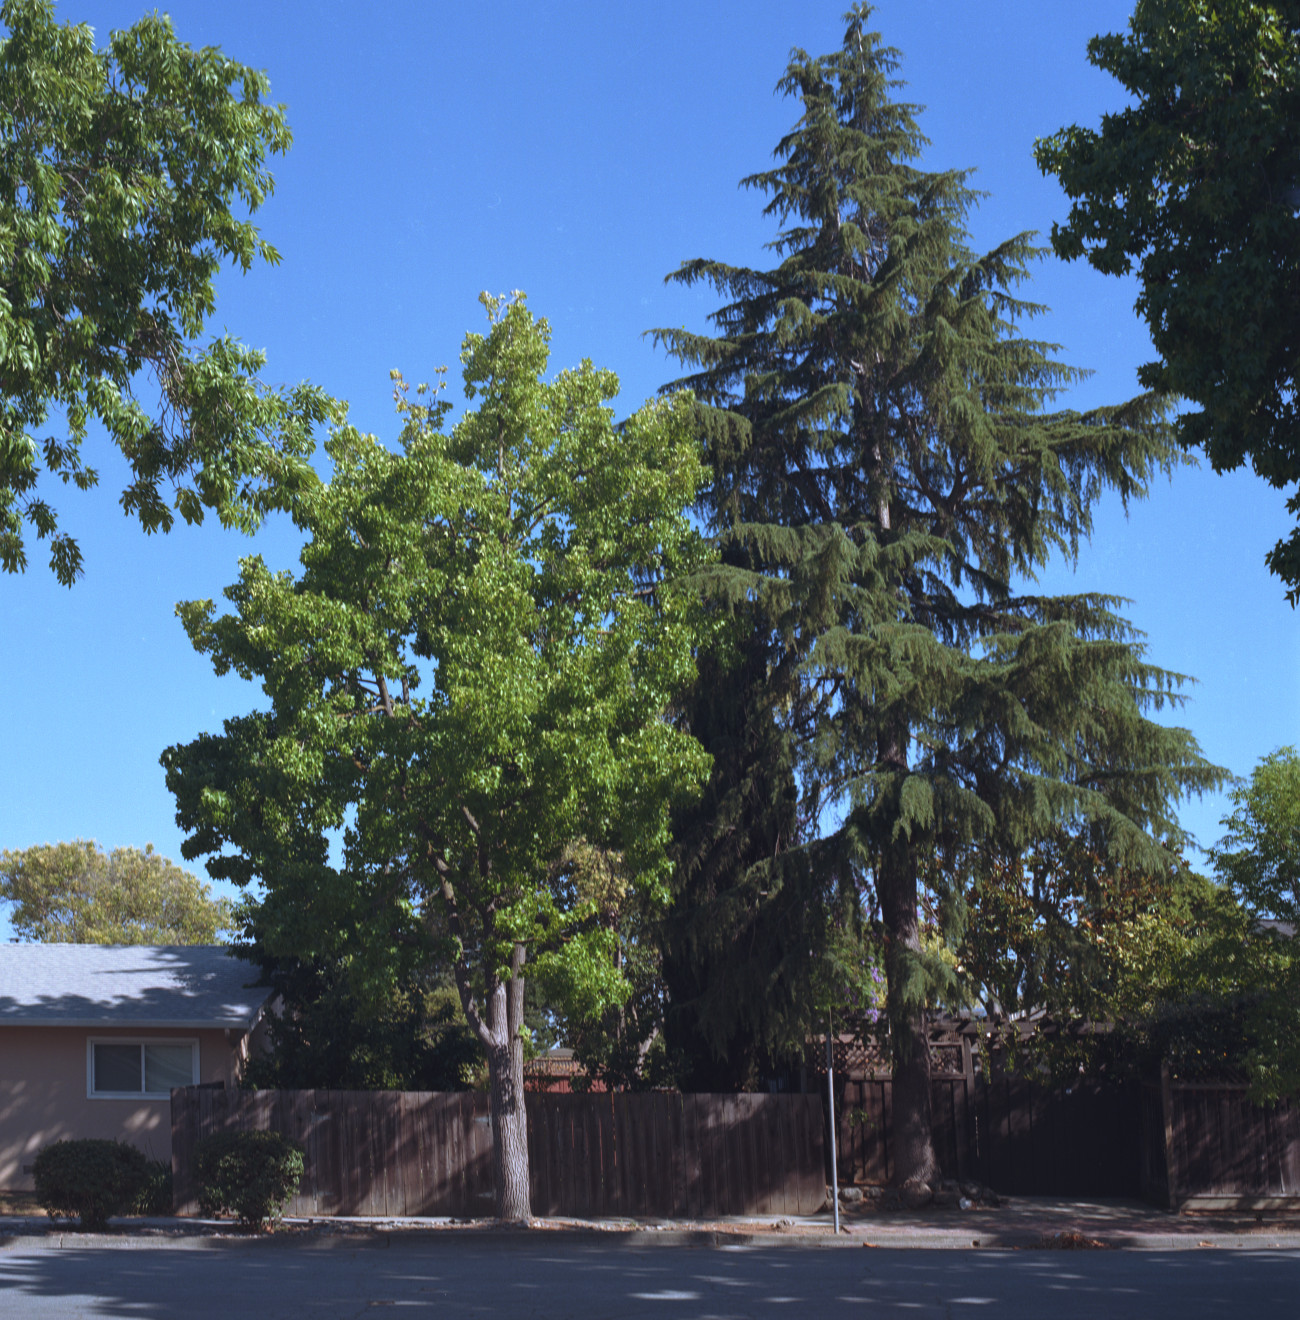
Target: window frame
x,y
141,1041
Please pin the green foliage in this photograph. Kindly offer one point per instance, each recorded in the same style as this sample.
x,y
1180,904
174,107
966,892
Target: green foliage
x,y
887,476
469,673
1181,969
331,1037
155,1195
1043,926
91,1179
617,1041
118,173
75,893
1197,183
251,1175
1202,985
1258,858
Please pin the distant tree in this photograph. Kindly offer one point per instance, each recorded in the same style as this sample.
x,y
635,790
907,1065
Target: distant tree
x,y
1193,973
1201,985
118,173
75,893
470,672
1197,183
886,479
1258,858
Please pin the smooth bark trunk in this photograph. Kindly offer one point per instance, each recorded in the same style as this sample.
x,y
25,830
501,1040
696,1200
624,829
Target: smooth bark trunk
x,y
498,1030
509,1132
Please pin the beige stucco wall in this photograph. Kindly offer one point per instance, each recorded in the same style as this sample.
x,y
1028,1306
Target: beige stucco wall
x,y
43,1093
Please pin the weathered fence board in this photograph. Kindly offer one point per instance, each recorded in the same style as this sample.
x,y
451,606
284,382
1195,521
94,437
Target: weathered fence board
x,y
1213,1144
390,1153
1171,1143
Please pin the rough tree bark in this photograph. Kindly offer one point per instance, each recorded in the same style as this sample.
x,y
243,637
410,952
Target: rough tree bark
x,y
914,1159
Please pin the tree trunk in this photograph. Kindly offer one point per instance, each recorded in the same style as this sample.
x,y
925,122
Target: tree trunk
x,y
914,1160
499,1033
509,1132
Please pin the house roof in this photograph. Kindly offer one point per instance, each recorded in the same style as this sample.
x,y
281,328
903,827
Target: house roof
x,y
98,985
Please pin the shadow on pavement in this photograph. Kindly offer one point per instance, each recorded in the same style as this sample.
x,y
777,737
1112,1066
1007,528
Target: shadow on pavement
x,y
530,1277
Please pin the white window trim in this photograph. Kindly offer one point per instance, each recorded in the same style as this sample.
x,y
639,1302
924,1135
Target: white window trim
x,y
142,1094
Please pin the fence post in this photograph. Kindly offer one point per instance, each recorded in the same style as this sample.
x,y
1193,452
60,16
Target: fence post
x,y
1167,1127
966,1137
830,1096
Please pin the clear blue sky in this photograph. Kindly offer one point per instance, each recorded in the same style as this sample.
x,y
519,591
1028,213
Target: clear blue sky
x,y
580,151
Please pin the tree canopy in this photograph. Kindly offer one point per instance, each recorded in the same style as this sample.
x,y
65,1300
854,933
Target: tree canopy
x,y
468,678
1197,184
122,172
886,478
76,893
1258,858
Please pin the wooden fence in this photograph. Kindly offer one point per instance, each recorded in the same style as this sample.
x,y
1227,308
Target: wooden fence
x,y
1018,1137
392,1153
1205,1145
1190,1144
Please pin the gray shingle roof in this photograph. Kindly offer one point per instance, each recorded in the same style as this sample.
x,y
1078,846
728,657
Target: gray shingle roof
x,y
78,985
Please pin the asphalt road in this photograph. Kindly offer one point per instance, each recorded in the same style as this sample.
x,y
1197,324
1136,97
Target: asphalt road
x,y
519,1278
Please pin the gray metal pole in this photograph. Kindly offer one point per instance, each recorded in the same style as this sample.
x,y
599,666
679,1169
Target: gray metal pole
x,y
830,1096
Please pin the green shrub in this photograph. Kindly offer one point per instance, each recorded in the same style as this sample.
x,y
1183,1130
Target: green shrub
x,y
248,1174
89,1179
155,1194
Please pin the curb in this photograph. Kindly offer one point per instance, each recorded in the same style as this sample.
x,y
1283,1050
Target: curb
x,y
189,1235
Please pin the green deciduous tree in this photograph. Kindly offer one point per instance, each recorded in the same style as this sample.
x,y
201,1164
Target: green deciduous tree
x,y
332,1035
886,480
469,674
1258,858
1197,184
1199,984
119,170
76,893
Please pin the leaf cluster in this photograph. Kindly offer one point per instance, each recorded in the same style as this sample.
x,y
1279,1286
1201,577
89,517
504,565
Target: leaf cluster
x,y
1196,183
122,174
1258,859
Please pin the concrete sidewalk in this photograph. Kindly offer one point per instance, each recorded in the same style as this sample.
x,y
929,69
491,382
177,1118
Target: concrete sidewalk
x,y
1017,1223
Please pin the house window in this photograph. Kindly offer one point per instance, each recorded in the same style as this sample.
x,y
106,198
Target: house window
x,y
119,1069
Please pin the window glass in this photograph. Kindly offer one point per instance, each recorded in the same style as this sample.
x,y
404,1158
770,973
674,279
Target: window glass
x,y
166,1066
117,1068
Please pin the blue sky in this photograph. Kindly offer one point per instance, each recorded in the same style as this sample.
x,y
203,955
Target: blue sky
x,y
580,152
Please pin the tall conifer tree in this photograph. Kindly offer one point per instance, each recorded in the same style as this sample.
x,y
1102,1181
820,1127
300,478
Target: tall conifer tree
x,y
887,479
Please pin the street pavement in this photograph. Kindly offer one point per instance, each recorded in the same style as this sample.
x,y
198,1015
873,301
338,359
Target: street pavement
x,y
572,1275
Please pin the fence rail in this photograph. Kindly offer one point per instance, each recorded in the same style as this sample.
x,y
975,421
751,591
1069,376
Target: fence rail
x,y
395,1153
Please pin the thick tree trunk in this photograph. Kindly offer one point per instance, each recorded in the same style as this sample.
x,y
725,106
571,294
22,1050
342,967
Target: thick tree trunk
x,y
914,1160
498,1031
509,1132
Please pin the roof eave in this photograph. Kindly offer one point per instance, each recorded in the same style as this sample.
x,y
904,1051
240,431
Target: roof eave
x,y
153,1024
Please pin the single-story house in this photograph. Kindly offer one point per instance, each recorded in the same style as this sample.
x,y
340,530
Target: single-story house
x,y
93,1038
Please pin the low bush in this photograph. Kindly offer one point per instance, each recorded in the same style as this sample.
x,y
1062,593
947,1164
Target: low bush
x,y
155,1194
89,1180
251,1175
